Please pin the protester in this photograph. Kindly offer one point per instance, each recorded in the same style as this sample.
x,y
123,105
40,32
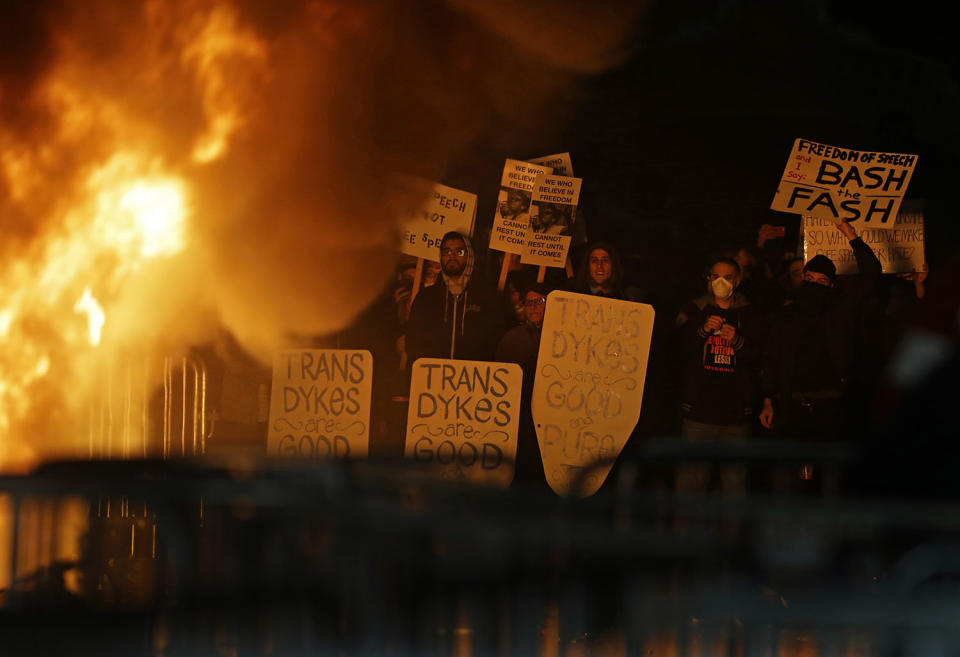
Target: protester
x,y
459,316
812,346
431,272
600,272
513,297
758,266
521,345
790,278
721,342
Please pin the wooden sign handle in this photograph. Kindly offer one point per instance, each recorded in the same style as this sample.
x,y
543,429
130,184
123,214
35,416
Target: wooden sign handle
x,y
541,273
504,269
417,278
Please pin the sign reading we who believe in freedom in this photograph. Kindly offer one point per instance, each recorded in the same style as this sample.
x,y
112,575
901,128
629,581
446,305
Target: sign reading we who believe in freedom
x,y
844,184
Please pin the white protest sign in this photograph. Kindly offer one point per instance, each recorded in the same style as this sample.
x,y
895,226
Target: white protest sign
x,y
463,418
320,404
513,205
900,248
552,212
446,209
589,385
561,163
841,183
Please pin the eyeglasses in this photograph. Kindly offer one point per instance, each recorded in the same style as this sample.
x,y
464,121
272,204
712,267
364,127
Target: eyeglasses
x,y
539,301
453,252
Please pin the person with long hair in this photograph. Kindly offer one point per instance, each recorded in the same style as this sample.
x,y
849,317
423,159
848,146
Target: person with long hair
x,y
600,272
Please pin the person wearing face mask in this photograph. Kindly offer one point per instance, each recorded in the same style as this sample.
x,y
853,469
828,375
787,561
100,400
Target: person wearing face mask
x,y
720,338
721,349
809,358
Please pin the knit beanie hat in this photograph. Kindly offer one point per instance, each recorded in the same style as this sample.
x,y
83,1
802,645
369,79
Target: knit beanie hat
x,y
822,265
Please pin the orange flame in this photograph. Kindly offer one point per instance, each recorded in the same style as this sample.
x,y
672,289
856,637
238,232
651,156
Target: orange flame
x,y
175,167
123,205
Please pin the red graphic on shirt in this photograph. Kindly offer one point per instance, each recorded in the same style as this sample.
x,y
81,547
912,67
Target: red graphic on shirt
x,y
718,354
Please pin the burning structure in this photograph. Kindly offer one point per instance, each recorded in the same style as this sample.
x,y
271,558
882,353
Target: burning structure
x,y
173,170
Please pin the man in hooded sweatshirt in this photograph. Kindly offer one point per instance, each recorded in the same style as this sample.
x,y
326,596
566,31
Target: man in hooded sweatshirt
x,y
812,346
459,316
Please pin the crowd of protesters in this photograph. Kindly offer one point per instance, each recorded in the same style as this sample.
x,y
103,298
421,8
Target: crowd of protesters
x,y
772,347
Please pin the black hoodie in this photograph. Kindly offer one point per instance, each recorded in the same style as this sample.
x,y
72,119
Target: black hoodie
x,y
467,325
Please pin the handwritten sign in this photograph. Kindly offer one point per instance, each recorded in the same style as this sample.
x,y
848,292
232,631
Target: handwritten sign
x,y
446,209
320,404
463,418
561,163
589,386
552,212
900,248
842,183
513,205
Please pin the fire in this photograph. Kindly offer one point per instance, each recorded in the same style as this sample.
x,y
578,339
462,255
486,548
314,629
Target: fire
x,y
221,38
91,307
173,168
107,185
129,213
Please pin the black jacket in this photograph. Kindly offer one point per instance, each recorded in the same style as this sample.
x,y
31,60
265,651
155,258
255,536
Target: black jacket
x,y
720,383
466,327
813,342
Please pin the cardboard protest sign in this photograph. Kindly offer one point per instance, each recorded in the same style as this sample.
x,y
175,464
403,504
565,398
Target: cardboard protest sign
x,y
842,183
463,418
589,386
513,205
320,404
900,247
552,212
446,209
561,163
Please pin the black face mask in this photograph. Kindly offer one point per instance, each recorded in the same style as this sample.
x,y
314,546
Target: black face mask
x,y
814,294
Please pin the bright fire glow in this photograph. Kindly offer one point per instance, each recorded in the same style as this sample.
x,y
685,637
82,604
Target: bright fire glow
x,y
55,298
158,214
100,190
89,306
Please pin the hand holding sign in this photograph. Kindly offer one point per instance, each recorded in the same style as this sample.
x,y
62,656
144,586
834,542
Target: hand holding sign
x,y
899,247
845,229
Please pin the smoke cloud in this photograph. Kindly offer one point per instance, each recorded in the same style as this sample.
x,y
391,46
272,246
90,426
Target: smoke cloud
x,y
280,124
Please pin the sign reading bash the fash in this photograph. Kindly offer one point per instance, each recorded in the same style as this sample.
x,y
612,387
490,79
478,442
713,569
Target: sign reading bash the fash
x,y
589,386
513,205
463,418
552,214
446,209
842,183
320,404
900,247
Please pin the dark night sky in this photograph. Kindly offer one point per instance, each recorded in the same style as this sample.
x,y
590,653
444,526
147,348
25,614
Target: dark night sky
x,y
681,148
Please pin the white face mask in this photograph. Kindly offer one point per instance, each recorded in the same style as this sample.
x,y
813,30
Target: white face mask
x,y
722,288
